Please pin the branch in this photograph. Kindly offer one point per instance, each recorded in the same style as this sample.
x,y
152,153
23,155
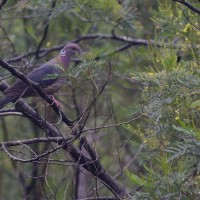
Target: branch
x,y
31,53
126,39
114,125
37,89
188,5
45,29
88,109
2,3
190,20
10,111
129,40
36,157
35,140
100,198
4,113
93,167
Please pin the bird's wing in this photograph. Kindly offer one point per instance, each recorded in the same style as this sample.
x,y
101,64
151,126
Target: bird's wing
x,y
44,75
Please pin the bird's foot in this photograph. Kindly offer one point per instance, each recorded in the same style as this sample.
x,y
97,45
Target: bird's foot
x,y
55,101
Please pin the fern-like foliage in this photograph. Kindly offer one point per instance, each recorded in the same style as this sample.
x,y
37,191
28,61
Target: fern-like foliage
x,y
170,130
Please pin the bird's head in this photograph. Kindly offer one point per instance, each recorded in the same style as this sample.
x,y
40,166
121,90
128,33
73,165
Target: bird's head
x,y
70,50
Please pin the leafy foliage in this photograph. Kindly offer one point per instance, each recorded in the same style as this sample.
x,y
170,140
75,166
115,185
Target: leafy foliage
x,y
170,103
146,119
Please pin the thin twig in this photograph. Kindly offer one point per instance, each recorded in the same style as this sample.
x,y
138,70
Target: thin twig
x,y
35,140
93,167
112,125
45,29
36,158
190,20
11,113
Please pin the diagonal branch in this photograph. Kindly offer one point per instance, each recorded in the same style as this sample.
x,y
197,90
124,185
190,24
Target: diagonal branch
x,y
188,5
93,167
2,3
37,89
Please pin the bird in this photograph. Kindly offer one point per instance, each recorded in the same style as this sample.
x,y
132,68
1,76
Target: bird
x,y
48,76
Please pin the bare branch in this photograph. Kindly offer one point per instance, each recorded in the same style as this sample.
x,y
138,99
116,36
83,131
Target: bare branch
x,y
36,157
10,113
93,167
113,125
131,42
45,29
188,5
189,20
35,140
2,3
126,39
100,198
37,89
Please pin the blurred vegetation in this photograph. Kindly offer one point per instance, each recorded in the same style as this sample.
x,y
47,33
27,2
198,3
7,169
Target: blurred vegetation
x,y
155,155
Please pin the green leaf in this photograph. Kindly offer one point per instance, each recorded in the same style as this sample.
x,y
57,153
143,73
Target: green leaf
x,y
195,104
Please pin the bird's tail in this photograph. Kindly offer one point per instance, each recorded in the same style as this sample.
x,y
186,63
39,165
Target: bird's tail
x,y
7,100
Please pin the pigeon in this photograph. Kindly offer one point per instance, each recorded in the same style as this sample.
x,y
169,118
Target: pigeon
x,y
48,76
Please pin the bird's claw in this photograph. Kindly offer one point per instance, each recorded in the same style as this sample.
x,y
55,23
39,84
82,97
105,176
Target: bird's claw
x,y
56,102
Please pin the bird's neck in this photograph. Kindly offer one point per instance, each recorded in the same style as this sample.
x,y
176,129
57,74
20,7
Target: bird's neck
x,y
64,61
